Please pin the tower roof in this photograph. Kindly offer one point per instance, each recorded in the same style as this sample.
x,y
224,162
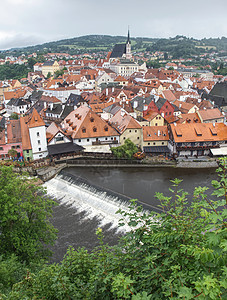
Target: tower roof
x,y
36,120
128,39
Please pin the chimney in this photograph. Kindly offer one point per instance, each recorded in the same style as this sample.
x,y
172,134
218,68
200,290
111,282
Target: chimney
x,y
159,133
135,104
106,91
112,89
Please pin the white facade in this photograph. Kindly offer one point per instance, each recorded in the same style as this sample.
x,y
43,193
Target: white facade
x,y
102,140
38,142
59,139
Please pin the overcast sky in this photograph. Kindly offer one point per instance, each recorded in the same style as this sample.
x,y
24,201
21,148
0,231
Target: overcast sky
x,y
31,22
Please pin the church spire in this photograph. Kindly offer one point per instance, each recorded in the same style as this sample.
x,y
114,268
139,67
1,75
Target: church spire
x,y
128,40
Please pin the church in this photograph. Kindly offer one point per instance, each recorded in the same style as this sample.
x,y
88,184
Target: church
x,y
122,51
121,60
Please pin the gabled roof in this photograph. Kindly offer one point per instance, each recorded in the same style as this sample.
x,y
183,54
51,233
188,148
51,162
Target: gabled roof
x,y
118,51
35,120
84,123
122,121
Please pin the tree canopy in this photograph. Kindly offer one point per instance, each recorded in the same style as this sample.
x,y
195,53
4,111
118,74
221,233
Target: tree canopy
x,y
126,150
25,228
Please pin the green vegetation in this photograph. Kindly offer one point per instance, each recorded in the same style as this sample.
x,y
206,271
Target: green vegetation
x,y
125,151
24,213
8,71
179,253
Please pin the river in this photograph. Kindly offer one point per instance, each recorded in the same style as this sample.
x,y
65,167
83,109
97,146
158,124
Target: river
x,y
89,203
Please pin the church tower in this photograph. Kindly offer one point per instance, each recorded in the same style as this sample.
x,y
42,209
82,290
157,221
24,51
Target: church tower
x,y
128,47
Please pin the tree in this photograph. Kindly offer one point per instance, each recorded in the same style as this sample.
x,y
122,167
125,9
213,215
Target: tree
x,y
125,151
12,153
25,214
14,116
48,75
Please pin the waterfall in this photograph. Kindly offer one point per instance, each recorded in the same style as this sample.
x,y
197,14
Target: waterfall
x,y
92,200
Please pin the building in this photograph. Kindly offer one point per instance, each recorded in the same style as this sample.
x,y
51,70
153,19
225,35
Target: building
x,y
50,67
196,139
122,50
89,130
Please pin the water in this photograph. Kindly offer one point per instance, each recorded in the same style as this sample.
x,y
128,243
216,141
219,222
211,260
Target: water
x,y
89,198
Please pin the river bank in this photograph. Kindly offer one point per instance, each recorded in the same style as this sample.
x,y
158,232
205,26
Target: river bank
x,y
48,172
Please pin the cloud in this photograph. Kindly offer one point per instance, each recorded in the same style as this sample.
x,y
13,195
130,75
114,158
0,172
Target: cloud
x,y
35,21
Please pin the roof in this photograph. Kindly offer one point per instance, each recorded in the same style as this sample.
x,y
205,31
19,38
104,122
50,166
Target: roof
x,y
35,120
14,132
155,133
26,142
210,114
118,51
122,121
64,148
199,132
156,149
48,63
84,123
74,99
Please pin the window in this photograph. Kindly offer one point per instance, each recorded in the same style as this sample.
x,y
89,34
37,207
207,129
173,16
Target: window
x,y
39,149
149,144
37,133
135,130
153,143
106,139
124,138
84,130
106,128
138,138
59,138
1,148
18,146
130,130
162,143
156,124
170,113
13,147
27,151
38,141
92,119
94,129
87,140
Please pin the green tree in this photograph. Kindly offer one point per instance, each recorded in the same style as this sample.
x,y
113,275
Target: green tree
x,y
48,75
25,214
125,151
14,116
12,153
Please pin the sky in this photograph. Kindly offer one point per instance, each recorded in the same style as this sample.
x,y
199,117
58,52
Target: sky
x,y
32,22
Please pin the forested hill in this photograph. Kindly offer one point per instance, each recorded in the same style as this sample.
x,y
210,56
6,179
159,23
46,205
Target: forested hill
x,y
94,43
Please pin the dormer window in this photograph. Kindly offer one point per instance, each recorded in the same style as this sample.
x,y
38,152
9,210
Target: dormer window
x,y
84,130
92,119
94,129
106,128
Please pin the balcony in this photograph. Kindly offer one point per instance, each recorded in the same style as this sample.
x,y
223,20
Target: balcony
x,y
104,143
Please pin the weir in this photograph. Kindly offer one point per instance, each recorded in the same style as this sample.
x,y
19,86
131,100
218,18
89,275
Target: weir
x,y
93,200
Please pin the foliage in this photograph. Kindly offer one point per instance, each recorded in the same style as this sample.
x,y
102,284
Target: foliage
x,y
125,151
12,152
179,253
8,71
48,75
14,116
58,73
24,217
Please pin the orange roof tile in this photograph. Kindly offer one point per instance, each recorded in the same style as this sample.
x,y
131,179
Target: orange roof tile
x,y
199,132
155,133
35,120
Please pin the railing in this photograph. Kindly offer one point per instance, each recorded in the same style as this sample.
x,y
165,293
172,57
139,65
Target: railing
x,y
104,143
